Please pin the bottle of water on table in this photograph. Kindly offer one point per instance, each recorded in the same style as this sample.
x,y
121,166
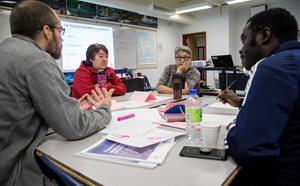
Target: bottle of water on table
x,y
193,116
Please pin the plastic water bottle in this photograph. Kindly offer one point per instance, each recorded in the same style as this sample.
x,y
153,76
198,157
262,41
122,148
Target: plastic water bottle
x,y
193,116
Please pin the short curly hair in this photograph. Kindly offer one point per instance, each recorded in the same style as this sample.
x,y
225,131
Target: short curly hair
x,y
281,22
28,17
184,49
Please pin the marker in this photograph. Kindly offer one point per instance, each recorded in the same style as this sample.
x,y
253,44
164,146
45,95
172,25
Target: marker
x,y
126,117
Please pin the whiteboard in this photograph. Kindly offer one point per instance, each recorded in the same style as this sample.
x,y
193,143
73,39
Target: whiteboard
x,y
125,48
129,49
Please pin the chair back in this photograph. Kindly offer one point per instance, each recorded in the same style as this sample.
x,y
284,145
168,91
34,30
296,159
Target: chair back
x,y
134,84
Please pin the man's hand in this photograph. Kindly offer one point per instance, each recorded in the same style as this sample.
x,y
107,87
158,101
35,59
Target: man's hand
x,y
97,98
85,104
228,96
101,97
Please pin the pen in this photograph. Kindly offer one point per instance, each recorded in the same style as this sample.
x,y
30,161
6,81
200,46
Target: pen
x,y
204,105
126,117
181,111
229,86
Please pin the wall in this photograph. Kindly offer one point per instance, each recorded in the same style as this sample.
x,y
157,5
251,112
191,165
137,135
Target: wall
x,y
168,37
242,15
223,28
4,28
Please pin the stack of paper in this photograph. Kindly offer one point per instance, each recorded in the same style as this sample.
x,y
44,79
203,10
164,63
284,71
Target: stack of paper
x,y
148,157
134,141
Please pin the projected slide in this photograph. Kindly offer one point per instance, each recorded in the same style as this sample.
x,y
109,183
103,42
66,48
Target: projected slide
x,y
78,37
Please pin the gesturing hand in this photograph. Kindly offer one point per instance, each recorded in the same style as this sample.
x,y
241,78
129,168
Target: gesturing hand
x,y
99,97
228,96
96,99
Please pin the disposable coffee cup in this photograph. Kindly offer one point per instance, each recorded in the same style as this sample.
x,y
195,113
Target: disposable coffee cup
x,y
210,134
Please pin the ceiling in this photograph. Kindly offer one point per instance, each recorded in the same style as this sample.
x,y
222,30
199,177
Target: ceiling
x,y
165,9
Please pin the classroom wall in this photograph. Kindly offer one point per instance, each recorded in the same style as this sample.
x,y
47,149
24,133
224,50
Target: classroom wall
x,y
222,26
168,37
242,15
4,28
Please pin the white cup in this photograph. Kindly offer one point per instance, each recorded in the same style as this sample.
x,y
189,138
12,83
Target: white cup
x,y
210,134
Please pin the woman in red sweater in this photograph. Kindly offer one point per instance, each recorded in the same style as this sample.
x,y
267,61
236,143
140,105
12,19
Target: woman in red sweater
x,y
85,78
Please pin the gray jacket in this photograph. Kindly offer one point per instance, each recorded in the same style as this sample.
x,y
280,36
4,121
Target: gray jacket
x,y
34,97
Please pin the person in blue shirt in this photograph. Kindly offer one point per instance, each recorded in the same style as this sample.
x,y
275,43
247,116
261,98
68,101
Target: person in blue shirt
x,y
265,137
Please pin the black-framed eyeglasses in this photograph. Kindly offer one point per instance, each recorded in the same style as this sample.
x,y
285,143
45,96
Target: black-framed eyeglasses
x,y
61,29
184,58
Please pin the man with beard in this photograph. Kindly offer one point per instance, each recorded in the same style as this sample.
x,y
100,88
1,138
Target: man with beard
x,y
265,138
34,97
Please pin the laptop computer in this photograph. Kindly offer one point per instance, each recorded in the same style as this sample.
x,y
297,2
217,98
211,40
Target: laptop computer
x,y
222,61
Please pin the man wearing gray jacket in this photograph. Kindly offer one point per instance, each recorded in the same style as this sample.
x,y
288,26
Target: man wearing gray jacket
x,y
34,96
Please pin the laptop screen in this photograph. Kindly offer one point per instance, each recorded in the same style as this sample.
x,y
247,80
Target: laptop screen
x,y
222,61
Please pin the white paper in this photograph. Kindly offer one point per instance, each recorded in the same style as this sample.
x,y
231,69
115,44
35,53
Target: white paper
x,y
152,137
221,105
153,154
133,104
130,127
160,98
120,161
140,114
221,118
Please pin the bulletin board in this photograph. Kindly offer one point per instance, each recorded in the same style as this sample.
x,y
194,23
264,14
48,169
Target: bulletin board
x,y
135,48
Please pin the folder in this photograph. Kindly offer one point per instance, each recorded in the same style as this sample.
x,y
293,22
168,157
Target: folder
x,y
175,113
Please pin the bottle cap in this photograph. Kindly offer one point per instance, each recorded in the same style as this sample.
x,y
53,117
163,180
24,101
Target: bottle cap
x,y
192,91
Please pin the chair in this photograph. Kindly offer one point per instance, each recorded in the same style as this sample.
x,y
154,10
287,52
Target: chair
x,y
135,84
63,177
147,86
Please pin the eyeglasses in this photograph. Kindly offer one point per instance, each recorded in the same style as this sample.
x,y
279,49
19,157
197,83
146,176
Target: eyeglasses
x,y
184,58
61,29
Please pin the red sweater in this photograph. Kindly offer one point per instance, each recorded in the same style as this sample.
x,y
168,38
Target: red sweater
x,y
85,79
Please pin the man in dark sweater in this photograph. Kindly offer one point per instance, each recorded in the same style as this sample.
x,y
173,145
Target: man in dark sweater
x,y
265,138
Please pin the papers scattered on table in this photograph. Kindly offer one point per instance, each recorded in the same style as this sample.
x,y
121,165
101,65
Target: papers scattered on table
x,y
154,136
148,157
142,99
134,141
160,98
180,125
222,106
134,104
115,105
224,119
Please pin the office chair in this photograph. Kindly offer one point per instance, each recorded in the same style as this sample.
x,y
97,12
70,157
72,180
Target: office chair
x,y
135,84
147,86
64,178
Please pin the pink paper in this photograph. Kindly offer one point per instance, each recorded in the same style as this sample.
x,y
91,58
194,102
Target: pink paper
x,y
142,96
180,125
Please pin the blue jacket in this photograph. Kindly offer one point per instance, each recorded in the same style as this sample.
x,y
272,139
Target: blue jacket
x,y
266,137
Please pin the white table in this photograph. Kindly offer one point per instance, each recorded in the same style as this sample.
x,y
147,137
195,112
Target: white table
x,y
175,170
